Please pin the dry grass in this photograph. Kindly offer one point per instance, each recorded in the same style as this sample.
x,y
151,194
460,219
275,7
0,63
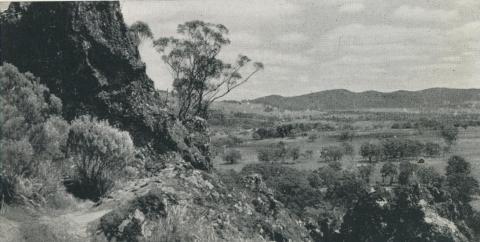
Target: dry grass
x,y
180,225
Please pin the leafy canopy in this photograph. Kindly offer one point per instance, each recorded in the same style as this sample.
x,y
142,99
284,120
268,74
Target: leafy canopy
x,y
199,76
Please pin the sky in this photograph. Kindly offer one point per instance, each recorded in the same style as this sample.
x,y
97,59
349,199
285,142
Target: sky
x,y
308,46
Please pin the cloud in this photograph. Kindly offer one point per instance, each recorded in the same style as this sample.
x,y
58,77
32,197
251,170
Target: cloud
x,y
211,9
328,45
269,57
352,8
245,39
415,13
292,38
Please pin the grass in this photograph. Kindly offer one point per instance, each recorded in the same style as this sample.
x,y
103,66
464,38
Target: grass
x,y
467,146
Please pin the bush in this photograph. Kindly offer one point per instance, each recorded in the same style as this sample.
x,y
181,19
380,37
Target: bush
x,y
33,135
458,165
290,185
406,170
335,165
332,153
429,176
277,152
388,170
232,156
348,149
462,185
432,149
365,172
449,134
371,151
346,136
99,152
312,137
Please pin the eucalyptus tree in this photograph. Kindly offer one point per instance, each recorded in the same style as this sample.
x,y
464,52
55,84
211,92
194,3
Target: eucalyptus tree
x,y
200,77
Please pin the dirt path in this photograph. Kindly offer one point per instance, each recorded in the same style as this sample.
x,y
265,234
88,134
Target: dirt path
x,y
74,224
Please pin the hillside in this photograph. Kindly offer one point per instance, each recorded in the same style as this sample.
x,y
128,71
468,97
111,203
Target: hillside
x,y
81,52
341,99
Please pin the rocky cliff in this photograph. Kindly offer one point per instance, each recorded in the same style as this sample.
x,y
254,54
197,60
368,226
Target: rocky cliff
x,y
83,53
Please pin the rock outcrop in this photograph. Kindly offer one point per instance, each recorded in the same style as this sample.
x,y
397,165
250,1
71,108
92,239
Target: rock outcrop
x,y
83,53
247,213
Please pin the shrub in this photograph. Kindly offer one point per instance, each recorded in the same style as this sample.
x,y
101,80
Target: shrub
x,y
365,172
312,137
388,170
290,186
232,156
406,170
294,153
449,134
335,165
277,152
323,177
348,149
429,176
99,152
332,153
371,151
432,149
347,135
462,185
458,165
32,134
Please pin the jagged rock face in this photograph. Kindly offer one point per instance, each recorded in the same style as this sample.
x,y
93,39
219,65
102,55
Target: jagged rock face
x,y
82,52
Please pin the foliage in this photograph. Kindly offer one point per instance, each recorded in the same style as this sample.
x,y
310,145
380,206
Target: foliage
x,y
347,188
462,185
232,156
99,152
332,153
347,135
335,165
449,134
33,134
277,152
365,172
290,186
429,176
139,31
389,170
432,149
312,137
323,177
348,149
371,151
406,170
199,76
458,165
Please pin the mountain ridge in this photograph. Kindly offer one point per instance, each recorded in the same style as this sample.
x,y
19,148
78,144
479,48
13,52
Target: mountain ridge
x,y
343,99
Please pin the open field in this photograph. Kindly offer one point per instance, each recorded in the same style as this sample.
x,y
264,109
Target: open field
x,y
467,146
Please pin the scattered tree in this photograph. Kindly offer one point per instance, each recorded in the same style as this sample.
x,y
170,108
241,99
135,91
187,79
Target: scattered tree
x,y
199,76
389,170
371,151
232,156
332,153
449,134
406,170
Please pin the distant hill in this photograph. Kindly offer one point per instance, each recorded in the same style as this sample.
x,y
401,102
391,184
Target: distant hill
x,y
341,99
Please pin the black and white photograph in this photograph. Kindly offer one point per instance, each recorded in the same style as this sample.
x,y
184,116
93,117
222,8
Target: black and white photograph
x,y
240,121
